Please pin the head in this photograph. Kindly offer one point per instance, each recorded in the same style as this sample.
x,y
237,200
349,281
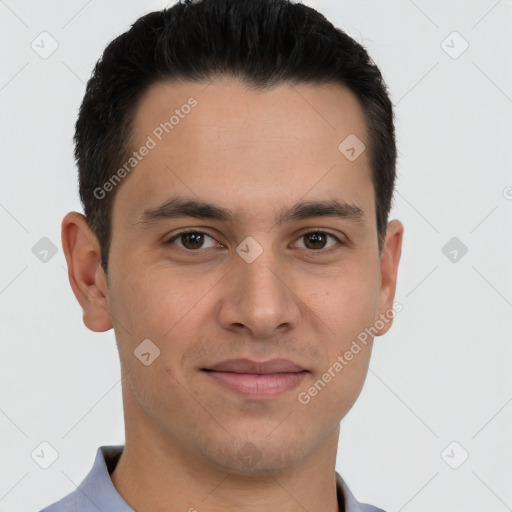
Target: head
x,y
268,134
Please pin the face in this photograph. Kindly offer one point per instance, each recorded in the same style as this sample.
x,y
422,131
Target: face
x,y
262,273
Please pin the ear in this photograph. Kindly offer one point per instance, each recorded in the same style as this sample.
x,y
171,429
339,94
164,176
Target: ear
x,y
389,260
87,279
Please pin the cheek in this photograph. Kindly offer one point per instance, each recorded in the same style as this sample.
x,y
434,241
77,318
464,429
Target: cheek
x,y
330,395
170,309
150,305
155,305
345,306
344,314
347,301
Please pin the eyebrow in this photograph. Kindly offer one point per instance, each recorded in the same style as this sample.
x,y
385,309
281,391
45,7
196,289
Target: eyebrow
x,y
179,207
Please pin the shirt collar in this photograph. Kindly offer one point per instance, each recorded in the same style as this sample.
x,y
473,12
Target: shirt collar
x,y
97,492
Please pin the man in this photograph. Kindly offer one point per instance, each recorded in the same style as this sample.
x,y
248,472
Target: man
x,y
236,165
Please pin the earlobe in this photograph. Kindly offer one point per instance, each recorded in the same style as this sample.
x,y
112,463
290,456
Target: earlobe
x,y
389,261
85,274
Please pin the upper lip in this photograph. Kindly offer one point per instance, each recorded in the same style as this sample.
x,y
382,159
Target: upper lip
x,y
254,367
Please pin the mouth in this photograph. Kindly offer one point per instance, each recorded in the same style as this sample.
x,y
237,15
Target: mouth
x,y
257,380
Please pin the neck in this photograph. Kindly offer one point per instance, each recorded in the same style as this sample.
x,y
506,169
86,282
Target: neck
x,y
156,473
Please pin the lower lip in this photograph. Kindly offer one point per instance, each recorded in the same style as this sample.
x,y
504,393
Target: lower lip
x,y
258,386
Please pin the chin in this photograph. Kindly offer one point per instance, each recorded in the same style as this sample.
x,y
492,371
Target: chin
x,y
256,455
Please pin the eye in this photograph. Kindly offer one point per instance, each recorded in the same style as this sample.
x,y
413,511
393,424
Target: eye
x,y
191,240
317,240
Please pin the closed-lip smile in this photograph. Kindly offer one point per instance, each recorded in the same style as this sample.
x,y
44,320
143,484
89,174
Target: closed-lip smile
x,y
257,380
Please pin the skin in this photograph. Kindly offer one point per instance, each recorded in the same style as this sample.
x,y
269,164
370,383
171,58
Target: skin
x,y
253,152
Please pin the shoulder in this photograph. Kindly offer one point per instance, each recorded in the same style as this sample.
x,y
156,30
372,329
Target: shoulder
x,y
74,501
96,491
363,507
350,503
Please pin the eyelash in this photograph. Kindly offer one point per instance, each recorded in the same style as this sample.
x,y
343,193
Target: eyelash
x,y
312,251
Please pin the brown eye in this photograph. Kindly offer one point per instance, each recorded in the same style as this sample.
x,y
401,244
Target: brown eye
x,y
317,240
191,240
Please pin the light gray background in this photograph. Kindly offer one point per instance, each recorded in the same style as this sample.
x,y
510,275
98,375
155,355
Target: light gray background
x,y
442,373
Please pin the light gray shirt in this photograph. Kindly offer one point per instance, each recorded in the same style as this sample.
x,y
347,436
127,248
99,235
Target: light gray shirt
x,y
97,493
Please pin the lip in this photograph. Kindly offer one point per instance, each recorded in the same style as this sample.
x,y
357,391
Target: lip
x,y
257,380
255,367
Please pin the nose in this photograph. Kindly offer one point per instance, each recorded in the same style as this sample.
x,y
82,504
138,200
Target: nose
x,y
258,298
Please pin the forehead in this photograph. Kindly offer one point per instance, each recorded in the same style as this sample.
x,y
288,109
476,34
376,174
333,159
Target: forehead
x,y
224,137
232,109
